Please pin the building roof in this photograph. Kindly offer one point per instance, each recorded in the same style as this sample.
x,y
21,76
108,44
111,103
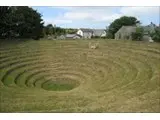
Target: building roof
x,y
127,29
98,32
61,36
72,35
86,30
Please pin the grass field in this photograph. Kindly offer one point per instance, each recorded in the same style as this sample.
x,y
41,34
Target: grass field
x,y
67,76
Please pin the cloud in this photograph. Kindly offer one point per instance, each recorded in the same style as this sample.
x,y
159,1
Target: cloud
x,y
57,21
96,14
109,18
140,11
100,14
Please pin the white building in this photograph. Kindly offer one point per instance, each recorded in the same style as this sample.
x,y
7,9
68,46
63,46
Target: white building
x,y
88,33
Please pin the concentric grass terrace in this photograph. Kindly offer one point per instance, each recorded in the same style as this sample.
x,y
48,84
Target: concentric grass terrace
x,y
67,76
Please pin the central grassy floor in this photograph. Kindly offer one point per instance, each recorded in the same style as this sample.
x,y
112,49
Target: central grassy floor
x,y
67,76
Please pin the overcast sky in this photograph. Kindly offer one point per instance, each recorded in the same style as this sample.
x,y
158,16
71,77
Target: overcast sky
x,y
95,17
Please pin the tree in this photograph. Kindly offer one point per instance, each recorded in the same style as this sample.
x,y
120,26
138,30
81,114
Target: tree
x,y
138,34
49,29
109,35
59,31
156,35
53,30
118,23
71,30
4,17
30,24
23,22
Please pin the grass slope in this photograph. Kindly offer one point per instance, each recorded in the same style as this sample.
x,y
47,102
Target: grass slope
x,y
67,76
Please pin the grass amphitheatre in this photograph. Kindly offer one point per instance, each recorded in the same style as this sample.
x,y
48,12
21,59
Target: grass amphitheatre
x,y
68,76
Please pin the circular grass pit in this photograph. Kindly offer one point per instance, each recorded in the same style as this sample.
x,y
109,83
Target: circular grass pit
x,y
60,84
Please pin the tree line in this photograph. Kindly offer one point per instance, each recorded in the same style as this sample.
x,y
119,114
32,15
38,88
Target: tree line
x,y
25,22
52,30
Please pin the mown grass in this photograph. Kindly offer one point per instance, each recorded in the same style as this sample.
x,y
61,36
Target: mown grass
x,y
67,76
51,85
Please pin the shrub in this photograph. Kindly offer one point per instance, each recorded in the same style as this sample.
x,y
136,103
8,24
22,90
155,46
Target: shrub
x,y
104,37
138,34
156,35
95,37
109,35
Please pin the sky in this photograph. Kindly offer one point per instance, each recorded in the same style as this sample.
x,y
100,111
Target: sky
x,y
95,17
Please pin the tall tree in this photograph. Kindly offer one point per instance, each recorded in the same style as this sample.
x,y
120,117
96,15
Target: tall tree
x,y
118,23
22,21
29,23
5,11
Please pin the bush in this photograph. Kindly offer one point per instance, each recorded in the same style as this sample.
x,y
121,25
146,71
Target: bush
x,y
156,35
138,34
109,35
105,37
95,37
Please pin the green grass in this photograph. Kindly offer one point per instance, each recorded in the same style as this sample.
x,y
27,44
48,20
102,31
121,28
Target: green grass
x,y
67,76
50,85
